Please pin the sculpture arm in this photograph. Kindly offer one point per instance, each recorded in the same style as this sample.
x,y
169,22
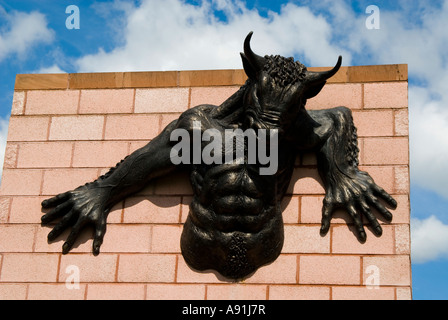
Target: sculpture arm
x,y
346,186
91,203
136,170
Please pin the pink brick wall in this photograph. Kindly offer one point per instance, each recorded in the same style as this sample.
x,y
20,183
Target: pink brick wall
x,y
59,139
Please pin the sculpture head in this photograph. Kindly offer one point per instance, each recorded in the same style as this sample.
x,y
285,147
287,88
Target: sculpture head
x,y
278,88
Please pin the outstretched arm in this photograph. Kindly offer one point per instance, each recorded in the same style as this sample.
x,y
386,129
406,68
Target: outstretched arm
x,y
346,186
91,203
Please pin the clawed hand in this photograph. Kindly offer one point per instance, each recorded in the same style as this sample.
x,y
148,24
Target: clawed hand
x,y
78,208
357,195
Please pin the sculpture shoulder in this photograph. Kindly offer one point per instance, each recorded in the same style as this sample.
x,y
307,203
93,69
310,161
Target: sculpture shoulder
x,y
338,112
328,120
201,113
314,127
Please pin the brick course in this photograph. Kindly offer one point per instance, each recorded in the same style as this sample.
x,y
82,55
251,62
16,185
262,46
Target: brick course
x,y
66,130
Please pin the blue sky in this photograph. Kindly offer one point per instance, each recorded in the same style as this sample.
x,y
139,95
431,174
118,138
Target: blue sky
x,y
146,35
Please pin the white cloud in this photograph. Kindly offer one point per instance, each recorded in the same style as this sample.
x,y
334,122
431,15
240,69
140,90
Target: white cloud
x,y
422,44
429,140
174,35
23,31
429,240
52,69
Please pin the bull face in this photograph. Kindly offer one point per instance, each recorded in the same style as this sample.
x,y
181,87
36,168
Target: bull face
x,y
279,88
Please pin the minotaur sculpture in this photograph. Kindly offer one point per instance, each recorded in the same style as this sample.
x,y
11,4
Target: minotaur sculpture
x,y
235,222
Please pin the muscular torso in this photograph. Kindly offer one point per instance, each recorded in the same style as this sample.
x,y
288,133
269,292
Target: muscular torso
x,y
235,219
232,197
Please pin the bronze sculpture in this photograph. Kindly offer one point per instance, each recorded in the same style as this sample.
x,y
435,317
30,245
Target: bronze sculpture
x,y
235,223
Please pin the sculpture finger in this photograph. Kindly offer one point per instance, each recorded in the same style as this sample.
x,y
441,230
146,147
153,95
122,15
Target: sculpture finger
x,y
52,202
100,231
384,212
358,223
371,218
327,212
381,209
67,246
385,196
56,212
61,226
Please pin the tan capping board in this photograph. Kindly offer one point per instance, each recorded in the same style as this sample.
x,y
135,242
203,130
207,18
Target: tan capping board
x,y
194,78
41,81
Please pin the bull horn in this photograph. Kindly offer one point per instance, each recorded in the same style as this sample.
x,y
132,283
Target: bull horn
x,y
255,60
313,77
